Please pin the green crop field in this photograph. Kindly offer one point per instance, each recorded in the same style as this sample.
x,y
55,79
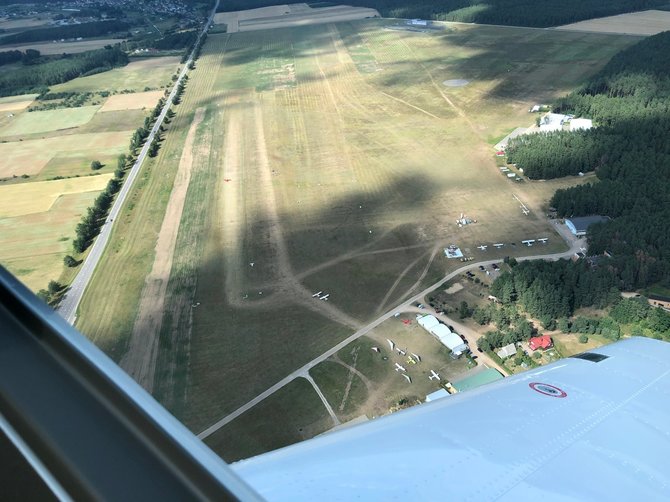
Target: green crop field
x,y
329,158
138,75
51,120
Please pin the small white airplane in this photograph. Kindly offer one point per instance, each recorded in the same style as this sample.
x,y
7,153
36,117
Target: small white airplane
x,y
543,240
375,349
391,344
434,376
251,263
324,297
499,245
317,294
528,242
525,211
399,368
400,351
416,356
408,378
482,247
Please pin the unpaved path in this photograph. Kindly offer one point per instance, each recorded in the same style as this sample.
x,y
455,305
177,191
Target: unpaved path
x,y
140,360
326,404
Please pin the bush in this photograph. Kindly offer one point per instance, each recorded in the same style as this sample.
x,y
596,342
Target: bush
x,y
96,164
583,338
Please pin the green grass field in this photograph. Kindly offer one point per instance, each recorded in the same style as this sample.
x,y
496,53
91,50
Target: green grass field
x,y
333,159
50,120
291,415
136,76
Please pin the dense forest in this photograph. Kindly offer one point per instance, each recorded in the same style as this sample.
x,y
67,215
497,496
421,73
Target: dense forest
x,y
50,71
540,13
630,152
95,29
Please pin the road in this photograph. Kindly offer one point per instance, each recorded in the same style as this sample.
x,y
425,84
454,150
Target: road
x,y
575,245
70,302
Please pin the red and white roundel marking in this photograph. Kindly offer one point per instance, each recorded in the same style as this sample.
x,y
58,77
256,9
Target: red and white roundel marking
x,y
547,390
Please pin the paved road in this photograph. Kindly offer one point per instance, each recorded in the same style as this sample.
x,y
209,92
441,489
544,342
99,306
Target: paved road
x,y
575,245
68,305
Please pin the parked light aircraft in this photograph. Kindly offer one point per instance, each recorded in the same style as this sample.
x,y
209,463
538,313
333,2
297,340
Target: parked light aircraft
x,y
543,240
408,378
324,297
482,247
434,376
317,294
605,409
499,245
399,368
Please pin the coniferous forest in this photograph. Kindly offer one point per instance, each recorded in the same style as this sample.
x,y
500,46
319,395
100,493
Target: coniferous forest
x,y
630,152
539,13
43,72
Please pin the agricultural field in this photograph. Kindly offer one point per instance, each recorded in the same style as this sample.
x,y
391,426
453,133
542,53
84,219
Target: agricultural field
x,y
648,22
50,48
328,158
47,121
46,180
16,103
37,222
138,76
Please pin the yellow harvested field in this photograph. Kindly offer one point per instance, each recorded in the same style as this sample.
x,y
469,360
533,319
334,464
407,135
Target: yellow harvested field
x,y
649,22
15,106
284,16
33,246
16,103
37,197
29,157
48,48
133,101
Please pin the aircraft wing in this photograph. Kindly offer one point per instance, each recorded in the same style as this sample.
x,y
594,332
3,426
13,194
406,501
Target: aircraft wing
x,y
590,427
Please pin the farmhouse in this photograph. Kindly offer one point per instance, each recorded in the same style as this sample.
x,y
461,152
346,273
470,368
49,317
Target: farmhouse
x,y
507,351
579,226
540,342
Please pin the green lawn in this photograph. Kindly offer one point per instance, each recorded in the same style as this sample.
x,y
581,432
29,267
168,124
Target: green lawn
x,y
49,120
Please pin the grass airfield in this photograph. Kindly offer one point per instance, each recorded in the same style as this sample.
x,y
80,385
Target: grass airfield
x,y
332,158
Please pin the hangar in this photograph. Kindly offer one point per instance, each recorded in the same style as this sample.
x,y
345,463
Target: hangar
x,y
579,226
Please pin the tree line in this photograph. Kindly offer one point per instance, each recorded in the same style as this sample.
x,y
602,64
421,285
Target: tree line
x,y
84,30
537,13
27,57
56,70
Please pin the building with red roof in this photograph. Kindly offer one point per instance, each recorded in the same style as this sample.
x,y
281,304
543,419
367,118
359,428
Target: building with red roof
x,y
540,342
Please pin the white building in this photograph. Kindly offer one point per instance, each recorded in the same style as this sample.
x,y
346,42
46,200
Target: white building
x,y
581,124
428,322
445,336
507,351
553,122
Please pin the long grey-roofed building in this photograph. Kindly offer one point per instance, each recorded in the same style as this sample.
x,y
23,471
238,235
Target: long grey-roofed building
x,y
579,226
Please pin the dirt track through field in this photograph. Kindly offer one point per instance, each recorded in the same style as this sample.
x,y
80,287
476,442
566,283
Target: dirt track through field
x,y
288,287
140,360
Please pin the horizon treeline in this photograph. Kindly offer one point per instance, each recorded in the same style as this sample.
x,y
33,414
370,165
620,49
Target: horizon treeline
x,y
536,13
